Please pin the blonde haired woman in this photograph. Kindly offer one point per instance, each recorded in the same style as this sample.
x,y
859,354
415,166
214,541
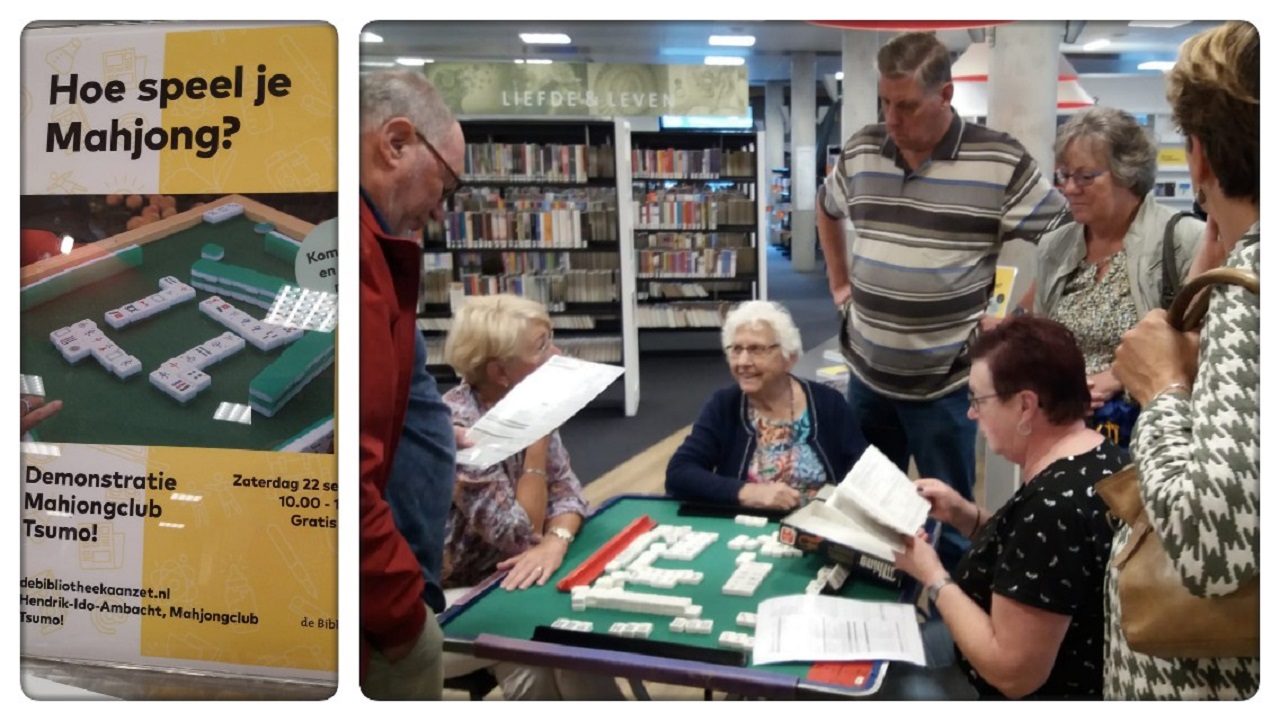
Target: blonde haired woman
x,y
521,514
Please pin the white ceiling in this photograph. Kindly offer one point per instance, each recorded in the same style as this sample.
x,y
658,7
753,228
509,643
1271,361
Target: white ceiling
x,y
675,42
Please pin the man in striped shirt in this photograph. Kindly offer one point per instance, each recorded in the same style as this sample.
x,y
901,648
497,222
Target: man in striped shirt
x,y
932,199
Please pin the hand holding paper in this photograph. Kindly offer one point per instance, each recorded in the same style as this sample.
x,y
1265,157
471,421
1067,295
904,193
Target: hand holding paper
x,y
535,407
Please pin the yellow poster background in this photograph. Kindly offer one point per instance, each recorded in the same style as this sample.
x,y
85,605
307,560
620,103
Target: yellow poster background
x,y
285,145
1000,294
223,548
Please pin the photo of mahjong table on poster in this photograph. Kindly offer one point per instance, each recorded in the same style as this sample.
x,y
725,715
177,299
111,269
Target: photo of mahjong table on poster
x,y
188,330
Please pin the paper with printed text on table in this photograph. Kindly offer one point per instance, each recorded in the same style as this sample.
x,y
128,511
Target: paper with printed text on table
x,y
828,628
536,406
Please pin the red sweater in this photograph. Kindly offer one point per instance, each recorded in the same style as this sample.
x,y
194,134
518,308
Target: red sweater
x,y
391,609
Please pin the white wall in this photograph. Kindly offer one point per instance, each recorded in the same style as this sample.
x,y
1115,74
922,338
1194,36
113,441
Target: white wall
x,y
1132,93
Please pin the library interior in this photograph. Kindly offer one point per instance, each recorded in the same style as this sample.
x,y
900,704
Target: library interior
x,y
741,218
697,361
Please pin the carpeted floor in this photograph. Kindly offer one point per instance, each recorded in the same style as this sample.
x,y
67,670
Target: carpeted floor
x,y
673,388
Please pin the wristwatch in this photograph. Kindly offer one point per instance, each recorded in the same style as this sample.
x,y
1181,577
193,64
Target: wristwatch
x,y
562,533
936,587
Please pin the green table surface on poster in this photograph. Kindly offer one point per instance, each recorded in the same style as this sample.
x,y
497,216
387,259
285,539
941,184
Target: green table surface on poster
x,y
515,614
103,409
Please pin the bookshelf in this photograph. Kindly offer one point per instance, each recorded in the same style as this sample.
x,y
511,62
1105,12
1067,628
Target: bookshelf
x,y
699,217
780,210
538,216
1173,177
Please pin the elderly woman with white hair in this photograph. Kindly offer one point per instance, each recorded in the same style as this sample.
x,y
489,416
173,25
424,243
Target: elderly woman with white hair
x,y
771,440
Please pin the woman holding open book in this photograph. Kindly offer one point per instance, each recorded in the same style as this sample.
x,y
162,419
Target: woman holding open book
x,y
1025,608
770,440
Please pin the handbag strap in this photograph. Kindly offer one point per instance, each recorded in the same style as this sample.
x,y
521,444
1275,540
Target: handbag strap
x,y
1189,307
1170,283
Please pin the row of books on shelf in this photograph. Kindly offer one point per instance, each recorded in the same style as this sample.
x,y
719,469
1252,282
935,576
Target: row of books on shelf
x,y
510,262
532,197
693,213
688,241
705,263
553,290
707,164
564,227
558,322
658,291
601,349
537,162
677,315
434,287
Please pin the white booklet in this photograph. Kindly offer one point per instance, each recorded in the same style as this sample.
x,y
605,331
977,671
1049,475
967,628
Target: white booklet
x,y
827,628
871,509
880,489
537,405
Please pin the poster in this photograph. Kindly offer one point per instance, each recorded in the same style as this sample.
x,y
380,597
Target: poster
x,y
179,299
999,304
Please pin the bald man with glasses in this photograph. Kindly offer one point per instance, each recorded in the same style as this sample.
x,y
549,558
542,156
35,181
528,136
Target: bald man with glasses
x,y
411,153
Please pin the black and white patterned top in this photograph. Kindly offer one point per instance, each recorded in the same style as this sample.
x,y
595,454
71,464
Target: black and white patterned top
x,y
1198,474
1048,548
1098,310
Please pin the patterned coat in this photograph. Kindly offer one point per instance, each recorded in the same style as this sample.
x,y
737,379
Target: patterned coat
x,y
486,523
1198,464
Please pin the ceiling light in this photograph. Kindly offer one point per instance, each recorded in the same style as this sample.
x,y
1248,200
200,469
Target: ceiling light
x,y
518,61
67,244
723,60
537,61
1158,23
1161,65
840,75
377,64
1095,45
544,38
367,37
737,41
414,62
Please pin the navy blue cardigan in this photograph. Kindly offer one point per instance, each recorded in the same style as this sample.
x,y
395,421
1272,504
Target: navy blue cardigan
x,y
712,463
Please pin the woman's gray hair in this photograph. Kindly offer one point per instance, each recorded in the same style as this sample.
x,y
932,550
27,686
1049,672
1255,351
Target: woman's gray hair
x,y
391,94
1130,154
764,313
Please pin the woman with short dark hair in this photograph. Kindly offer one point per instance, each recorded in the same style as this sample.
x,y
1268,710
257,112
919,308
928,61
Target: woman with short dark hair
x,y
1025,608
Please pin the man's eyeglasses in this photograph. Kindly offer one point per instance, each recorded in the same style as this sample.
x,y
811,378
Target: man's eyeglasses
x,y
754,351
1083,178
975,401
451,189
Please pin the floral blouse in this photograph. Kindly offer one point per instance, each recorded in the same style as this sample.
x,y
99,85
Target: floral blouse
x,y
783,453
1098,311
486,524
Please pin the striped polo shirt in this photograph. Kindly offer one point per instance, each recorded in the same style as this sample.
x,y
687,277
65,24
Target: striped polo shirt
x,y
925,248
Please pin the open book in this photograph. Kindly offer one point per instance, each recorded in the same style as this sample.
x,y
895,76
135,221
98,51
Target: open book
x,y
870,510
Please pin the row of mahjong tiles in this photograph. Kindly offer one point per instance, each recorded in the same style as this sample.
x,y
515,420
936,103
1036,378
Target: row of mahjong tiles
x,y
633,565
182,376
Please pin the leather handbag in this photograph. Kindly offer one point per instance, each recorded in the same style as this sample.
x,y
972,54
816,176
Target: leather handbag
x,y
1158,615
